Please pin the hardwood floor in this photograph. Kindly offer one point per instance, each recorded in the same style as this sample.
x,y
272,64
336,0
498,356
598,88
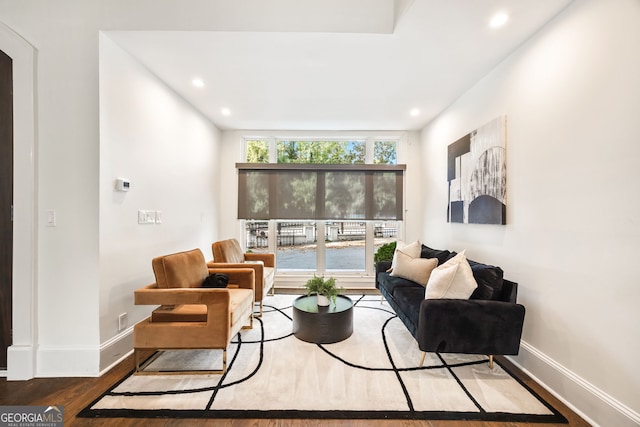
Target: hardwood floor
x,y
76,393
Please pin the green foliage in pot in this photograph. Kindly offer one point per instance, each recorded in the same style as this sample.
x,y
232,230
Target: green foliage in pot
x,y
385,252
320,286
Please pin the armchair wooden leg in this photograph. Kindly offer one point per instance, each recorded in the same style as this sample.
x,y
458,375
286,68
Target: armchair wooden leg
x,y
224,361
260,312
139,367
424,354
136,359
491,361
250,325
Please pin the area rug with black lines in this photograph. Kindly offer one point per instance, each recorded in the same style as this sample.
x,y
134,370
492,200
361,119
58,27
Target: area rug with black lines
x,y
373,374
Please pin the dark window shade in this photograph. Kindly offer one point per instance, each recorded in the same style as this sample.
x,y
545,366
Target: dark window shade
x,y
325,192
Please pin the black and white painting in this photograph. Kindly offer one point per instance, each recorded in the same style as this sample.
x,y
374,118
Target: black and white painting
x,y
477,175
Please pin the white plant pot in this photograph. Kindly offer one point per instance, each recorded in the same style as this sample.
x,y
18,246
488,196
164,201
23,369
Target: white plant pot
x,y
323,301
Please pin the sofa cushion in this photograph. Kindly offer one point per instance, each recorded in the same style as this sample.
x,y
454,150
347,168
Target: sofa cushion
x,y
216,280
412,249
451,280
442,255
415,269
180,270
391,284
490,281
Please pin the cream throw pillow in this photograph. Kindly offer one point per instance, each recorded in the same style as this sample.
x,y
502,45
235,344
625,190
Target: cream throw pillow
x,y
415,269
412,249
452,280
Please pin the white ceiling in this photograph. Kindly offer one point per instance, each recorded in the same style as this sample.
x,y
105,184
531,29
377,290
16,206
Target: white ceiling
x,y
355,68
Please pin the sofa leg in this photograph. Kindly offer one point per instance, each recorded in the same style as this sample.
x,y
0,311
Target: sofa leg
x,y
491,361
424,354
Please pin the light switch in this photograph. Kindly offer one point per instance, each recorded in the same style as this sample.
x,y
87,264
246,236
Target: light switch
x,y
51,218
146,217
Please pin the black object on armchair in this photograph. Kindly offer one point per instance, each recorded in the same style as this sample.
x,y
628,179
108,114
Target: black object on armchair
x,y
489,323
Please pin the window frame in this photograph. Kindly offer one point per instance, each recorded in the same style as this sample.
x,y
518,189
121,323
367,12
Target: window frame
x,y
358,277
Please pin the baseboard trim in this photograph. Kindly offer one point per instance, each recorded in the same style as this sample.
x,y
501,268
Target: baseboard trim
x,y
20,359
116,349
591,403
54,361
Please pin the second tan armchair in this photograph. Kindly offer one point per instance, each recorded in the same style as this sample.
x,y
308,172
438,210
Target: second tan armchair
x,y
228,254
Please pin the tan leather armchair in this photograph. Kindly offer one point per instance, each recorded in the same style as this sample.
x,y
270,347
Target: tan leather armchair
x,y
228,254
189,316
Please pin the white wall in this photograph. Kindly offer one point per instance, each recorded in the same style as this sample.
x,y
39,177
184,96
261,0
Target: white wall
x,y
572,100
167,150
65,327
66,299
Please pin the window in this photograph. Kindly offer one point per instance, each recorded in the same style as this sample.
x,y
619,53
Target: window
x,y
257,151
384,152
321,152
323,205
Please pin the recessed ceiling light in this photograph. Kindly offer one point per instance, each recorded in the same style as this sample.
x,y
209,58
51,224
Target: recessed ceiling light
x,y
197,82
415,112
225,111
498,20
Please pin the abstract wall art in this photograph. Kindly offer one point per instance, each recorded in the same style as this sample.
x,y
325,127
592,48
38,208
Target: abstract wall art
x,y
477,175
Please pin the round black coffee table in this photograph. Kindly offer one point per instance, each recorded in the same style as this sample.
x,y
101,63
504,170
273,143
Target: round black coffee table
x,y
322,325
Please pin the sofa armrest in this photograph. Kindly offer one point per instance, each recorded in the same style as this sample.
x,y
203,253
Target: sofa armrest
x,y
381,267
152,295
241,277
470,326
269,259
509,291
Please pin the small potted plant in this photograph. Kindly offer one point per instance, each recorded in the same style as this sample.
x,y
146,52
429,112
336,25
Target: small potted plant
x,y
384,252
326,290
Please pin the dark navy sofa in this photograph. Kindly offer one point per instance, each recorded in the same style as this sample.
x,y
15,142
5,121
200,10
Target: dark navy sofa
x,y
489,322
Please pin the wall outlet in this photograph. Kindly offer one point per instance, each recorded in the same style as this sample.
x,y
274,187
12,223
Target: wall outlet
x,y
123,321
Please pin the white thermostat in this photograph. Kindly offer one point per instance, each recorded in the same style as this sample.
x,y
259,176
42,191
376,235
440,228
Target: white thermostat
x,y
122,184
